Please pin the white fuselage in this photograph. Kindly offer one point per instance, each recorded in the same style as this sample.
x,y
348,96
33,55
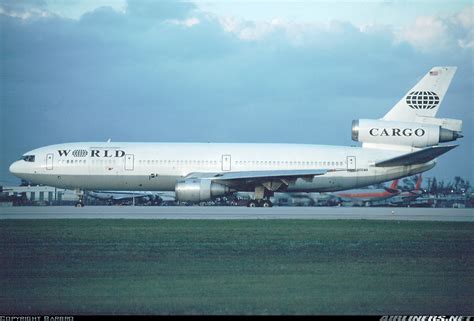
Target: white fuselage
x,y
158,166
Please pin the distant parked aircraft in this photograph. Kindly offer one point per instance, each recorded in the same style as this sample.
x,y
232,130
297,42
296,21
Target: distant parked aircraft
x,y
366,196
115,197
408,196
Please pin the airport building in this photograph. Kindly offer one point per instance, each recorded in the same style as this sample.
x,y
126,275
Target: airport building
x,y
36,195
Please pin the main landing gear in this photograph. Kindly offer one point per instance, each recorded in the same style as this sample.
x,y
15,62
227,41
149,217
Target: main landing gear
x,y
262,197
260,203
80,202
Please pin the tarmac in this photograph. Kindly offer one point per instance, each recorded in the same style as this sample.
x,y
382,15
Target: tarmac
x,y
237,213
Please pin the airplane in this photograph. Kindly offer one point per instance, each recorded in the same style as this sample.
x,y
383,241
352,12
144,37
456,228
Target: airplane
x,y
404,142
408,196
367,196
320,199
305,199
291,199
114,197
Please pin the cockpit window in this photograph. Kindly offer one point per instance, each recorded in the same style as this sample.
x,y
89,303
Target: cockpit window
x,y
29,158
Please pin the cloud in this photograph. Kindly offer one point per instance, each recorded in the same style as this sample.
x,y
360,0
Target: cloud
x,y
466,18
146,10
426,33
465,21
187,22
26,9
159,10
436,33
468,41
251,30
169,72
14,5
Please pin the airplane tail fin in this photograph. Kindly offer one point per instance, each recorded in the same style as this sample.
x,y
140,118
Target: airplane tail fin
x,y
394,184
424,99
418,183
393,187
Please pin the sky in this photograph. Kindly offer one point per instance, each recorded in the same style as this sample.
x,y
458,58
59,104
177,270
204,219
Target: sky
x,y
224,71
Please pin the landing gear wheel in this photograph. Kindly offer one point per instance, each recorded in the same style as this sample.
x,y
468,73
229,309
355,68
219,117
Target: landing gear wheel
x,y
266,203
80,200
252,204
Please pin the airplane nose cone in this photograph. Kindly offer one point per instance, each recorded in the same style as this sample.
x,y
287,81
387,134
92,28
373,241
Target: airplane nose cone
x,y
15,168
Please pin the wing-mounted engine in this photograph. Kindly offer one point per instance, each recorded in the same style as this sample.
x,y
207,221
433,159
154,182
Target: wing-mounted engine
x,y
411,134
199,190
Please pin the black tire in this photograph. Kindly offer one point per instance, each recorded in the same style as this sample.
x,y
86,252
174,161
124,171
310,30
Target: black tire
x,y
252,204
266,203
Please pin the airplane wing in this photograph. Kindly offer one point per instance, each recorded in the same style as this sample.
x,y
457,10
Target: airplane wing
x,y
418,157
304,173
259,177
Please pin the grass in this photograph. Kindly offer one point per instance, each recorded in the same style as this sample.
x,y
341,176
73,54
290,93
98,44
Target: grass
x,y
236,267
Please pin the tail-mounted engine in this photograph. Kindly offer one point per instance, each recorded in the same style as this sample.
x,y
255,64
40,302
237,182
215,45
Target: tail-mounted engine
x,y
401,133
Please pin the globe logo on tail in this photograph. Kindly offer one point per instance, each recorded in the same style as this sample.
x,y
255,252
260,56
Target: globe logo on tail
x,y
422,100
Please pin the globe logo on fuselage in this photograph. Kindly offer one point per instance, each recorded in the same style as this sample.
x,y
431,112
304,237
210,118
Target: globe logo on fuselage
x,y
422,100
79,153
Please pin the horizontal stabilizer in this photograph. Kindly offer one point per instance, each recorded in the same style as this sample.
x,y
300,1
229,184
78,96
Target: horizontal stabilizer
x,y
418,157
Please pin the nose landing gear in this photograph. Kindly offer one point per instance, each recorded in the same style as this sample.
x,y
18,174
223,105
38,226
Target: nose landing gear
x,y
80,202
